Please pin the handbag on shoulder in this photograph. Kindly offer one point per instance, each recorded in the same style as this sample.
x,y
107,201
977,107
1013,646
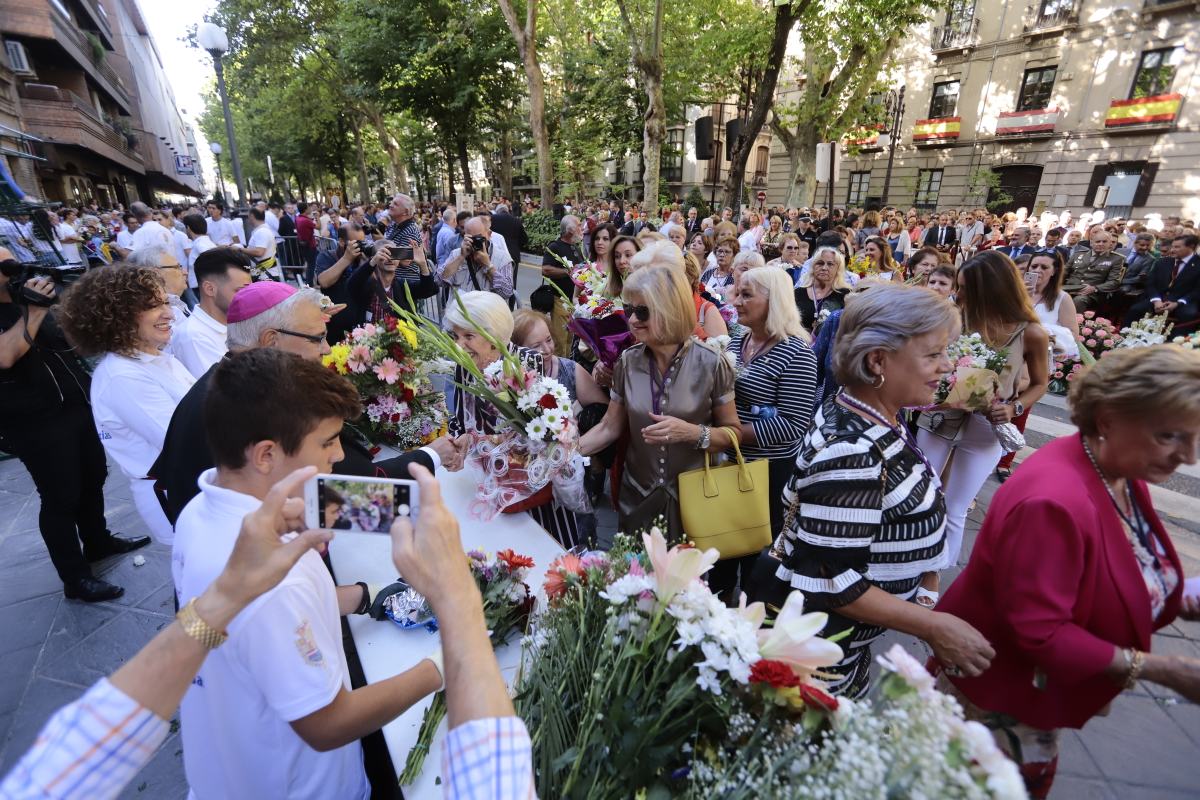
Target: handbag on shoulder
x,y
726,508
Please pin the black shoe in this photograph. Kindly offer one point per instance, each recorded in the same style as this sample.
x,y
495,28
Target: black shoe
x,y
114,546
91,590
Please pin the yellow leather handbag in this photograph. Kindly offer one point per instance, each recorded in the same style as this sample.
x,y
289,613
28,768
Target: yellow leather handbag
x,y
727,507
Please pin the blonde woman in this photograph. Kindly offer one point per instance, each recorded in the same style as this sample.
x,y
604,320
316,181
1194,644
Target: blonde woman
x,y
770,243
671,392
824,288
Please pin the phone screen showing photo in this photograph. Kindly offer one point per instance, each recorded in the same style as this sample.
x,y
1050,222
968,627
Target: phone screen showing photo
x,y
361,505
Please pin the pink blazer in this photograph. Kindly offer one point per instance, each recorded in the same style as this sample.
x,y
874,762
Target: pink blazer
x,y
1054,586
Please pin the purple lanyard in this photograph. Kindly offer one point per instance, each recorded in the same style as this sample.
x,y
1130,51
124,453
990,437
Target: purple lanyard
x,y
900,429
658,383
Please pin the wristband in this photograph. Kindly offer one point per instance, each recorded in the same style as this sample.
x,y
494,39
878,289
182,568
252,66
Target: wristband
x,y
436,658
365,604
208,636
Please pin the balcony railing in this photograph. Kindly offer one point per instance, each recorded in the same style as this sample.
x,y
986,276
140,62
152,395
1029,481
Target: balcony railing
x,y
64,117
957,35
1049,16
760,178
77,44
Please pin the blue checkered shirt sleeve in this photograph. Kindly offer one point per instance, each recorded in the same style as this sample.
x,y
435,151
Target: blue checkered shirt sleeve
x,y
489,759
89,749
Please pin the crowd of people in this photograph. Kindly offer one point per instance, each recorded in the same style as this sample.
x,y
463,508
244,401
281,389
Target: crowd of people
x,y
814,341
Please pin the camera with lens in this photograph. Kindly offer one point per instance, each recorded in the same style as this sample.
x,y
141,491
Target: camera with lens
x,y
18,275
368,249
478,243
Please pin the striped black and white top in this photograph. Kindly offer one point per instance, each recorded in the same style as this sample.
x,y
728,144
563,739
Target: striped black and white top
x,y
783,378
868,513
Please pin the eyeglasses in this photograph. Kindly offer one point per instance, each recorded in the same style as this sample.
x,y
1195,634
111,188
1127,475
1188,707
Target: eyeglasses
x,y
315,338
640,313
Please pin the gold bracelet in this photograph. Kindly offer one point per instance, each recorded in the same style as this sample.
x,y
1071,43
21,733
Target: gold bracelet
x,y
198,629
1136,662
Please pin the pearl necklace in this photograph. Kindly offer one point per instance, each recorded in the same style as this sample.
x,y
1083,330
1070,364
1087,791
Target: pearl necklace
x,y
1133,530
896,427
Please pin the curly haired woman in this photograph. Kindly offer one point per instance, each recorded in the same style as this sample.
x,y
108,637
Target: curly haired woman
x,y
121,313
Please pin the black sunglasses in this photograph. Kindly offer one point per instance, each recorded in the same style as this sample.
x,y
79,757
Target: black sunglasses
x,y
641,313
315,338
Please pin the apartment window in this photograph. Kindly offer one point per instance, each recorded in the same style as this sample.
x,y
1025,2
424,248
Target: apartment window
x,y
672,157
762,157
859,181
1155,72
1036,88
945,100
929,185
960,13
1056,8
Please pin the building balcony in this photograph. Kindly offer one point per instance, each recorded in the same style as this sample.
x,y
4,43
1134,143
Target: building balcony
x,y
866,137
1161,8
1017,124
72,40
957,35
936,131
1051,16
1143,113
65,118
759,179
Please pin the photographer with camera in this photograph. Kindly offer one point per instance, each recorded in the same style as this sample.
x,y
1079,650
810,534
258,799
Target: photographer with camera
x,y
354,252
477,266
46,422
385,279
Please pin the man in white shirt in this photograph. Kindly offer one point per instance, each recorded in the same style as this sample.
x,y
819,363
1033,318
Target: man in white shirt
x,y
68,237
221,230
124,241
200,341
271,712
748,238
150,232
261,246
197,230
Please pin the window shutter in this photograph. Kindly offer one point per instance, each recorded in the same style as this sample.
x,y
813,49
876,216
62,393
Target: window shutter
x,y
1147,180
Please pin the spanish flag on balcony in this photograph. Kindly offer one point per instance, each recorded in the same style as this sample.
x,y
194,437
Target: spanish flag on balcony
x,y
929,130
1143,110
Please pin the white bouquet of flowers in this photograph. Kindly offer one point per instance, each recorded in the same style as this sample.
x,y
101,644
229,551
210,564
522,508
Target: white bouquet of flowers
x,y
1146,332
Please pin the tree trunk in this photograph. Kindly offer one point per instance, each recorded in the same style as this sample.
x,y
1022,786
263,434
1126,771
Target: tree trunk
x,y
653,137
526,39
399,175
464,160
785,19
420,185
450,174
506,161
801,150
364,188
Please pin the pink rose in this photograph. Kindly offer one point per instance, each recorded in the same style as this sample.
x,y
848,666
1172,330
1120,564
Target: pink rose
x,y
1058,374
1087,331
1090,342
1089,314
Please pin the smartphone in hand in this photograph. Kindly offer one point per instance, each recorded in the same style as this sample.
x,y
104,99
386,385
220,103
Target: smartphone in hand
x,y
352,503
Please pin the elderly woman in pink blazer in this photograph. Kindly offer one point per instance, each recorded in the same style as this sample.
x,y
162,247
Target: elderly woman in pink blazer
x,y
1072,570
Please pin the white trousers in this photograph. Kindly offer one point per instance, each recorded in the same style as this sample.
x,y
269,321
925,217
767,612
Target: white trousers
x,y
975,456
151,511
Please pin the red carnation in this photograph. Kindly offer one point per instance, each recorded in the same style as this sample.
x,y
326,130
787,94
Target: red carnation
x,y
407,395
812,696
395,417
775,673
548,401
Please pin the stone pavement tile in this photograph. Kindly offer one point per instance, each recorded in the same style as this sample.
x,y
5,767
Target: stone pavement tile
x,y
22,580
25,624
1074,759
41,701
21,515
1139,742
22,546
15,670
162,778
73,622
139,582
1170,646
1071,787
105,649
1187,716
160,601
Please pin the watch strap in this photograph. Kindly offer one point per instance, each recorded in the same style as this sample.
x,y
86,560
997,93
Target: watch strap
x,y
198,629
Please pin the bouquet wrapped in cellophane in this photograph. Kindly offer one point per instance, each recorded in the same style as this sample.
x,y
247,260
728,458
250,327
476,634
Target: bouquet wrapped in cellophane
x,y
597,319
533,454
975,381
637,681
392,371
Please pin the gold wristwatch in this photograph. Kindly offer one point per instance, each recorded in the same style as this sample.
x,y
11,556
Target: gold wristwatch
x,y
198,629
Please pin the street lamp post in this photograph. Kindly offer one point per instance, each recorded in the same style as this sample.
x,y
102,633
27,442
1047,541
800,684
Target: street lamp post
x,y
216,151
895,107
213,39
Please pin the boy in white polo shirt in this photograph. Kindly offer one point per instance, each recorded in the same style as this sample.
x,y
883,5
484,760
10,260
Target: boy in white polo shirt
x,y
271,713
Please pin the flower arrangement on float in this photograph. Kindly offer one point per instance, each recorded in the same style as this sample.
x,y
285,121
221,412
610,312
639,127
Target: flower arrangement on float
x,y
1189,342
507,605
1097,335
1146,332
392,372
534,453
637,681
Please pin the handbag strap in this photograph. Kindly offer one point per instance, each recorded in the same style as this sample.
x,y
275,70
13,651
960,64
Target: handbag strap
x,y
745,482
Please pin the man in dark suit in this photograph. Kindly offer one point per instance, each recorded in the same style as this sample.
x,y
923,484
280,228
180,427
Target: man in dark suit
x,y
1173,285
185,454
1018,244
942,236
694,223
512,230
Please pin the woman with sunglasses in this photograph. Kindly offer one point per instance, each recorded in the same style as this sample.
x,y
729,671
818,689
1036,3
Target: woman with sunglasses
x,y
671,393
793,252
718,281
823,289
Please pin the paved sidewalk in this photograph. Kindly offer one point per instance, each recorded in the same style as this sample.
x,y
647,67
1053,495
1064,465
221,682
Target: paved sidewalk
x,y
1147,748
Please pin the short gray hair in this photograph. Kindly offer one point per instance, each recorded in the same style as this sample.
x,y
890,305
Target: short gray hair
x,y
140,210
566,223
488,310
150,256
246,333
449,215
404,201
886,318
751,257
